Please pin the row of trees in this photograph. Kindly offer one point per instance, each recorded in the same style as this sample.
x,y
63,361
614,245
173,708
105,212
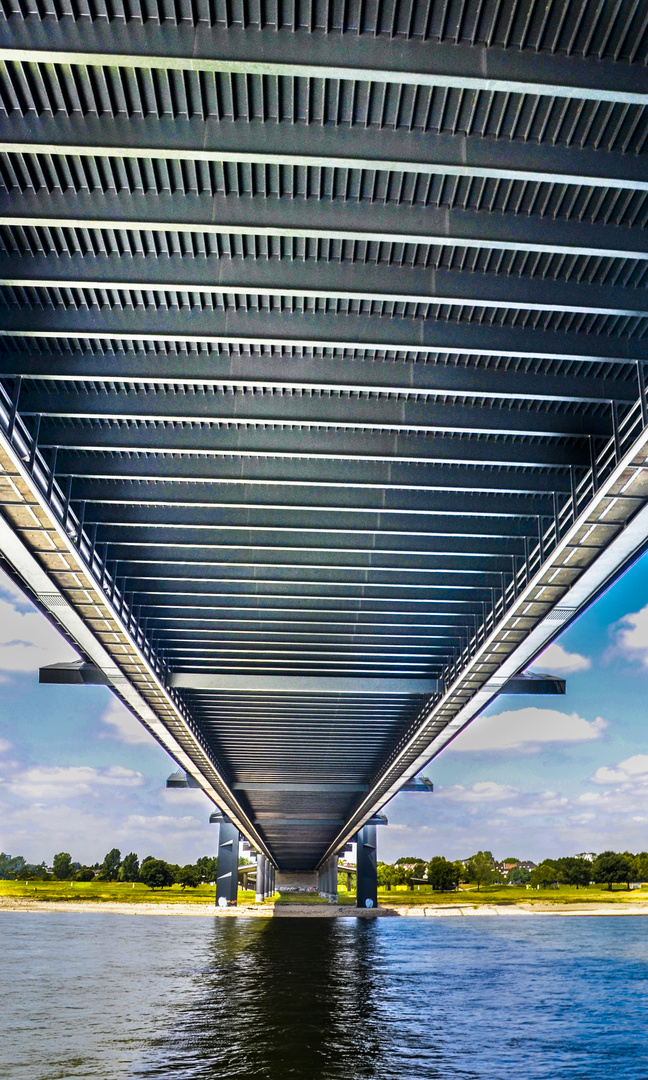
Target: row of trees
x,y
440,873
608,868
156,873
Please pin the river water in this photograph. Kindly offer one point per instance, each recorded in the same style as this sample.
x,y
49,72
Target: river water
x,y
112,996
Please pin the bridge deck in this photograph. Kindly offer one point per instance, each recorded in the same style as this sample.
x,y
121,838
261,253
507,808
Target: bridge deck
x,y
322,341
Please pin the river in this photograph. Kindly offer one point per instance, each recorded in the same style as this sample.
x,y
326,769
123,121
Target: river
x,y
113,996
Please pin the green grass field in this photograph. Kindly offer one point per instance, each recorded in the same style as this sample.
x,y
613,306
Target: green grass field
x,y
112,892
104,892
510,894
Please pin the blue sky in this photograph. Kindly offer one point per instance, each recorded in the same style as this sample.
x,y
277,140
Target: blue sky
x,y
531,777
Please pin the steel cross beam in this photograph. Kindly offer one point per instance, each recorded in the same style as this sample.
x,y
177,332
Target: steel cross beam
x,y
451,160
409,41
489,84
634,249
306,220
515,298
399,342
487,382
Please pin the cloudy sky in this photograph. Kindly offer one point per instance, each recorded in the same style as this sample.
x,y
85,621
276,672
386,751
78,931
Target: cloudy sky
x,y
531,777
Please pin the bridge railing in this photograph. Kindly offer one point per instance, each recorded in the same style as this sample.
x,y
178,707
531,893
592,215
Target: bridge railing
x,y
57,492
551,528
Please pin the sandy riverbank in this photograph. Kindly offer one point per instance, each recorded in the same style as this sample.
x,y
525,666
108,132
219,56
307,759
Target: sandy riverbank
x,y
319,911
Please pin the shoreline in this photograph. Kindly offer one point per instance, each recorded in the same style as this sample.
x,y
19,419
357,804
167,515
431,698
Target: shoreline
x,y
331,910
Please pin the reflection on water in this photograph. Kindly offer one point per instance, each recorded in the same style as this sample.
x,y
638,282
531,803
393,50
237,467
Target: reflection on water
x,y
282,998
116,996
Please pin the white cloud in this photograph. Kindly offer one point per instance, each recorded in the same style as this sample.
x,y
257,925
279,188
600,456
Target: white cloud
x,y
632,635
156,826
557,661
4,746
526,730
486,791
38,830
122,725
55,781
182,796
632,770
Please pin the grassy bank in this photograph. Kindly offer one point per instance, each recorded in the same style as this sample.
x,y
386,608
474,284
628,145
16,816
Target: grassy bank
x,y
111,892
118,892
509,894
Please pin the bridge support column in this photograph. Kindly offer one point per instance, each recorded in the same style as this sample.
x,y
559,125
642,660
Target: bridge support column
x,y
367,868
227,880
260,878
327,884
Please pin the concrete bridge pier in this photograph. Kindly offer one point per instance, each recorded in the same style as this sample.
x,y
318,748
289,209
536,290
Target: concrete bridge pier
x,y
327,883
260,878
367,868
227,879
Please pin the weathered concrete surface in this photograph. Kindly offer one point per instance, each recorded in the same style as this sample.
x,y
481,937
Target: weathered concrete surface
x,y
304,880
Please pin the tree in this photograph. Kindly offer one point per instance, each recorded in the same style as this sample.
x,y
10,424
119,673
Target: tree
x,y
62,866
443,875
545,874
573,871
479,868
188,876
156,874
389,875
610,868
640,870
10,866
129,869
84,874
384,876
207,867
519,875
28,872
110,865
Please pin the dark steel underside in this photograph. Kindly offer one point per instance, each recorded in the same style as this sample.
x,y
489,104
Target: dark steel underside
x,y
318,361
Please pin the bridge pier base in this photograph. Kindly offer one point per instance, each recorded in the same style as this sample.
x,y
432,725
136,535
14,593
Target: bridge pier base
x,y
367,868
227,879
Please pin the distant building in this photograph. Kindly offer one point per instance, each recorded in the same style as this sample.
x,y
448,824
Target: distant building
x,y
589,855
506,867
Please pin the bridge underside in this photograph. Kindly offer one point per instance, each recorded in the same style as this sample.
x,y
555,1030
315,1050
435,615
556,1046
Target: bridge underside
x,y
322,343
